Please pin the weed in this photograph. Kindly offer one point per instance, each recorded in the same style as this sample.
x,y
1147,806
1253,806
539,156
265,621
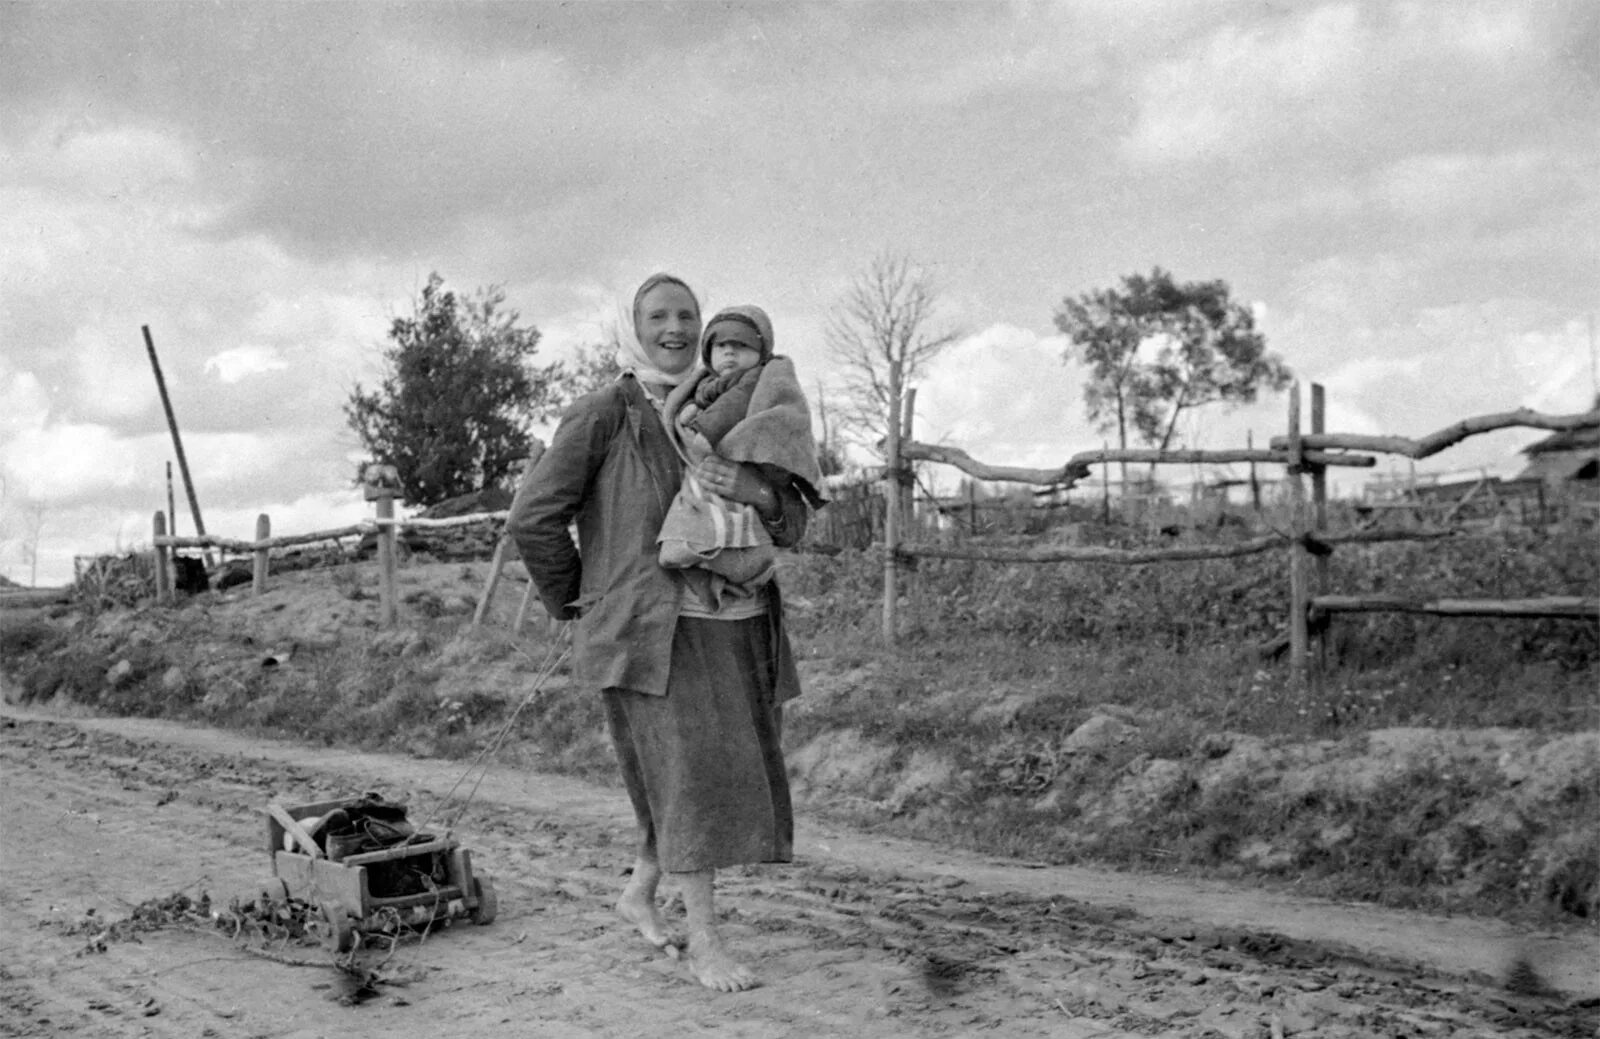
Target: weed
x,y
28,635
348,580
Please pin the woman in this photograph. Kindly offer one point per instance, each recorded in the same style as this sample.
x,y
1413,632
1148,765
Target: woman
x,y
693,691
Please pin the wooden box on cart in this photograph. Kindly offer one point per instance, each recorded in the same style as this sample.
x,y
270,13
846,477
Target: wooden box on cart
x,y
417,881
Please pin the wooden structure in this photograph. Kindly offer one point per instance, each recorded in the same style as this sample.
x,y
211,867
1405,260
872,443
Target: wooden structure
x,y
1569,456
1305,455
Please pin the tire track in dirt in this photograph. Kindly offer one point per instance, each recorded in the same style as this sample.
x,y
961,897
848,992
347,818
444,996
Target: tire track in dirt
x,y
100,814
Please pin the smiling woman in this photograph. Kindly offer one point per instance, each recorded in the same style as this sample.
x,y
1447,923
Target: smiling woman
x,y
693,687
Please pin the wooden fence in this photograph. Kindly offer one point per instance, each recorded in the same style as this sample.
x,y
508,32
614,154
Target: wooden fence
x,y
380,488
1303,454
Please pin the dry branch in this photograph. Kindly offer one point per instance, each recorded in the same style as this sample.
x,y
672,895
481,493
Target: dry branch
x,y
912,451
1178,553
368,526
1077,467
1433,443
1554,606
419,523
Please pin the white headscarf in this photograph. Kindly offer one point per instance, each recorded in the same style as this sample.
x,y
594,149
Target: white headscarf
x,y
632,357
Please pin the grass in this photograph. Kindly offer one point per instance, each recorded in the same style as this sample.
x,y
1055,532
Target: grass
x,y
970,713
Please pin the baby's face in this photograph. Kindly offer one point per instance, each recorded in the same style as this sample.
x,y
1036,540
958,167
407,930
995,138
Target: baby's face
x,y
734,349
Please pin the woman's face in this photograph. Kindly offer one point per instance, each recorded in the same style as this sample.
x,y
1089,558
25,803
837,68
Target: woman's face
x,y
669,327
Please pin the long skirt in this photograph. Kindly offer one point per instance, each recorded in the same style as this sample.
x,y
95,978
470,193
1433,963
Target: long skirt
x,y
702,764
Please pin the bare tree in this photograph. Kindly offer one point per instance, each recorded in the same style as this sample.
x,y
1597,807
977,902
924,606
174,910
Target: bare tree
x,y
883,333
34,527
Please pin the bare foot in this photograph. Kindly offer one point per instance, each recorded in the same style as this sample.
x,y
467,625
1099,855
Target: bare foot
x,y
641,911
714,968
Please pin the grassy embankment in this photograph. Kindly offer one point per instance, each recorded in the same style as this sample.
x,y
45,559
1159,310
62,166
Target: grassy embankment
x,y
965,732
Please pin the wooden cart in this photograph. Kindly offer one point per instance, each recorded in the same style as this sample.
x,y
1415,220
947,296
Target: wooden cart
x,y
417,882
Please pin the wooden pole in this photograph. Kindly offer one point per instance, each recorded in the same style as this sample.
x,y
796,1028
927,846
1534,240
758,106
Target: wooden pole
x,y
1105,486
387,610
1255,483
1319,502
172,507
163,562
495,565
379,485
908,504
522,610
177,441
258,574
1298,597
891,514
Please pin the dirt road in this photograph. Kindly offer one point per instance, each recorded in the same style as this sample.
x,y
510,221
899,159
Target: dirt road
x,y
860,937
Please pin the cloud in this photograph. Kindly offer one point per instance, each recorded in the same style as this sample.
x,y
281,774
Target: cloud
x,y
1006,396
1332,82
66,462
244,361
1404,187
24,404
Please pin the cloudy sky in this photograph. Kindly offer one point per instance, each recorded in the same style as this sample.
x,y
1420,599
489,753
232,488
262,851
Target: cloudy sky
x,y
1408,193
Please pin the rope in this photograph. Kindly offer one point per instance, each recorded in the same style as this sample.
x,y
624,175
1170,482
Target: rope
x,y
552,661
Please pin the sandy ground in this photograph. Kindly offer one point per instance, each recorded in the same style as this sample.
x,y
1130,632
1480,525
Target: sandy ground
x,y
860,937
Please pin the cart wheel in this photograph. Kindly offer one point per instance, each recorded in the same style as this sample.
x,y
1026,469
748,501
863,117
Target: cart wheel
x,y
341,929
488,905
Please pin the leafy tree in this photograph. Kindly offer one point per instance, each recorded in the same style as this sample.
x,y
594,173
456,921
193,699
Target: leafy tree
x,y
458,394
1156,348
883,334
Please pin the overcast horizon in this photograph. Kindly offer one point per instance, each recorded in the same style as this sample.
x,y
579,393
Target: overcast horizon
x,y
1408,194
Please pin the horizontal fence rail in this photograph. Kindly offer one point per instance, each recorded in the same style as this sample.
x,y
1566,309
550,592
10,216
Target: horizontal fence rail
x,y
1301,453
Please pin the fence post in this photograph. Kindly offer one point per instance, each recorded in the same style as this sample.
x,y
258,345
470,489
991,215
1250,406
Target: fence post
x,y
1255,484
910,527
379,485
1319,519
163,562
258,572
891,513
1105,483
1297,547
490,586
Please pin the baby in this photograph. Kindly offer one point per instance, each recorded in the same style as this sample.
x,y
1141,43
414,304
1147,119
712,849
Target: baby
x,y
746,406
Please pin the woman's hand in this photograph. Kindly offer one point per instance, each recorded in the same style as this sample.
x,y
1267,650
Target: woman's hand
x,y
737,481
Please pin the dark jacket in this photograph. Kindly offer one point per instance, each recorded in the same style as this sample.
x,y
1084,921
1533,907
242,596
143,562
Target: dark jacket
x,y
611,468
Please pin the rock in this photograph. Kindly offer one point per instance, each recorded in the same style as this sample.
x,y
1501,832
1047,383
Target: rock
x,y
1263,855
1566,765
1097,734
1248,759
923,776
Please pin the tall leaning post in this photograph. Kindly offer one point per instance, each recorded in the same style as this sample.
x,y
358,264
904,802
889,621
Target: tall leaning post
x,y
1297,549
163,563
258,570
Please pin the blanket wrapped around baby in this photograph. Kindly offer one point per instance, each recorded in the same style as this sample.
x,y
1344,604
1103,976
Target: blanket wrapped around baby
x,y
727,539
